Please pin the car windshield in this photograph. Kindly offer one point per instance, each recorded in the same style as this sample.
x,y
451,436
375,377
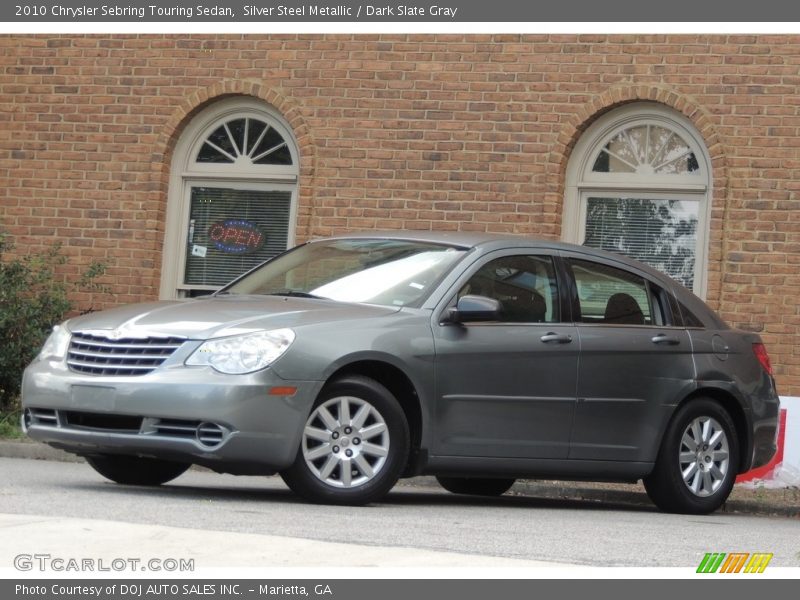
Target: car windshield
x,y
374,271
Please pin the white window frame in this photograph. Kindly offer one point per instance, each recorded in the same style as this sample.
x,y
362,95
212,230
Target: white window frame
x,y
583,183
187,173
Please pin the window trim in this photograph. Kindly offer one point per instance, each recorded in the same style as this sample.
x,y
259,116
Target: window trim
x,y
582,182
185,172
652,286
576,308
562,286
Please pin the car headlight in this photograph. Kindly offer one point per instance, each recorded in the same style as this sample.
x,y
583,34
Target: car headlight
x,y
56,345
240,354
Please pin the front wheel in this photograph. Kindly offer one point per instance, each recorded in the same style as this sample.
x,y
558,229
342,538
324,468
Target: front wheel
x,y
475,486
136,470
698,460
354,446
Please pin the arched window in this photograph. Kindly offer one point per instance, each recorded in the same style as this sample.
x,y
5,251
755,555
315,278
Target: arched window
x,y
639,183
232,196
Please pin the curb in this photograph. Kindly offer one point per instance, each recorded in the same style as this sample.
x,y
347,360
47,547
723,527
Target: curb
x,y
626,494
35,451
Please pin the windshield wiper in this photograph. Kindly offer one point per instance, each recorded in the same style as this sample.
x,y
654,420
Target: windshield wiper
x,y
294,294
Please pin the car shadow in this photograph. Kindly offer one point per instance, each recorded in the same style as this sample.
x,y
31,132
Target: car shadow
x,y
401,496
430,497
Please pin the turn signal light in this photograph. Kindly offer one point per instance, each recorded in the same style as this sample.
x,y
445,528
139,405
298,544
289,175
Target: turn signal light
x,y
285,390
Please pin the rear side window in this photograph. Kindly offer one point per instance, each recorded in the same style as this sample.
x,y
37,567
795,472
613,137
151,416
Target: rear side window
x,y
607,295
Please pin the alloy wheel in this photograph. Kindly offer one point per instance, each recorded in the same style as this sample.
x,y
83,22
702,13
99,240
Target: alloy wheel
x,y
704,457
345,442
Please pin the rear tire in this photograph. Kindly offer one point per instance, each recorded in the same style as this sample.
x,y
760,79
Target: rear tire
x,y
476,486
698,460
135,470
355,444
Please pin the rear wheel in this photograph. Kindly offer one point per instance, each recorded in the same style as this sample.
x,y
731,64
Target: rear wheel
x,y
698,460
476,486
135,470
354,447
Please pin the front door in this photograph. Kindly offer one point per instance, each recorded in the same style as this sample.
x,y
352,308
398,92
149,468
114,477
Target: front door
x,y
507,388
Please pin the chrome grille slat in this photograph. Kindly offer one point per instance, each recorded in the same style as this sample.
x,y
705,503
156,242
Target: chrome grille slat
x,y
44,416
100,355
97,355
188,430
130,346
115,366
208,434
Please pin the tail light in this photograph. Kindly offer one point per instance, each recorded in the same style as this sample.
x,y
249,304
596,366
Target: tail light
x,y
763,358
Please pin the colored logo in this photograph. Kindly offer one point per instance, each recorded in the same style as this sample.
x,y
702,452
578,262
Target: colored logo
x,y
235,236
734,562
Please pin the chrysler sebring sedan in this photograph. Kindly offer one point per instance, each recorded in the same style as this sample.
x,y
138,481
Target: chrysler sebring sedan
x,y
347,363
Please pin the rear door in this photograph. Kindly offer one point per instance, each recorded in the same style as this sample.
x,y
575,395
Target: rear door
x,y
635,363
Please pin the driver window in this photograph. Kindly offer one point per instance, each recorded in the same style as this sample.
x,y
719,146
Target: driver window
x,y
524,285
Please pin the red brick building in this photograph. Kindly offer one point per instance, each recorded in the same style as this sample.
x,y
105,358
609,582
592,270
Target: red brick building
x,y
140,151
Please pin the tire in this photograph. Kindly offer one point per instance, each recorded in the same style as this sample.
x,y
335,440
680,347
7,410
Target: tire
x,y
476,486
354,446
135,470
695,478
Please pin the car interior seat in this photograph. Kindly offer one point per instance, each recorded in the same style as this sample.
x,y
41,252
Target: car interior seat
x,y
623,309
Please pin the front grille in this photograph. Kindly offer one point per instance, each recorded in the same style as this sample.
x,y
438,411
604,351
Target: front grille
x,y
99,355
102,421
207,434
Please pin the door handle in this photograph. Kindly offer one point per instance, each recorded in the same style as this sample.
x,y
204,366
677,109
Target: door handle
x,y
662,338
559,338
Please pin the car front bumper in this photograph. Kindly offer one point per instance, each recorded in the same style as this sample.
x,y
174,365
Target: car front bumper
x,y
244,424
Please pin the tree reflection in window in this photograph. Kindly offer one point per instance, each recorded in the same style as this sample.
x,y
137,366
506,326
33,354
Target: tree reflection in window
x,y
646,149
661,233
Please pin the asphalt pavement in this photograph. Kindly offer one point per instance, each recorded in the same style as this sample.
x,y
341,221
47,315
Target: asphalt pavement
x,y
750,499
59,507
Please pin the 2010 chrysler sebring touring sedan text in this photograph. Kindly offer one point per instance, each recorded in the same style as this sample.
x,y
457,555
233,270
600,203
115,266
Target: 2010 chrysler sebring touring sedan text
x,y
349,362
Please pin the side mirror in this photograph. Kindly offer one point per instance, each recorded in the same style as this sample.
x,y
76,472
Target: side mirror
x,y
474,308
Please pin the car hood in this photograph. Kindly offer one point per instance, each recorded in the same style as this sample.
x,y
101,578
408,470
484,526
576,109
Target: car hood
x,y
221,316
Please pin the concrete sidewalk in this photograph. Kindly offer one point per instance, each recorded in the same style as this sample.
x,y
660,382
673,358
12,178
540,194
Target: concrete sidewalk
x,y
66,538
745,498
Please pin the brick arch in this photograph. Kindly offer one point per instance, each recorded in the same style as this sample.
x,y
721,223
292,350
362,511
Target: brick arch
x,y
614,97
161,159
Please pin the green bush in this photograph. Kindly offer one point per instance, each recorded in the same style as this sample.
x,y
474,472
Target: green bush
x,y
32,299
10,424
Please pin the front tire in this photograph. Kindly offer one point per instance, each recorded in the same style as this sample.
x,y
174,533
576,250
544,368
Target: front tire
x,y
135,470
354,446
698,460
476,486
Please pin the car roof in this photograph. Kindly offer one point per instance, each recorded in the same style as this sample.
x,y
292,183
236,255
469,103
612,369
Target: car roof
x,y
495,241
463,239
487,242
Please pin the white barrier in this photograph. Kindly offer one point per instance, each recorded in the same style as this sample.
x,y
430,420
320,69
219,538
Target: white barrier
x,y
784,469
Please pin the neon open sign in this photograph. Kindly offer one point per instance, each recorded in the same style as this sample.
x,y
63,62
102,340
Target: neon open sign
x,y
235,236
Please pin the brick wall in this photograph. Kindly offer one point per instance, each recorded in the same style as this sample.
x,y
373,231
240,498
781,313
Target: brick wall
x,y
415,132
